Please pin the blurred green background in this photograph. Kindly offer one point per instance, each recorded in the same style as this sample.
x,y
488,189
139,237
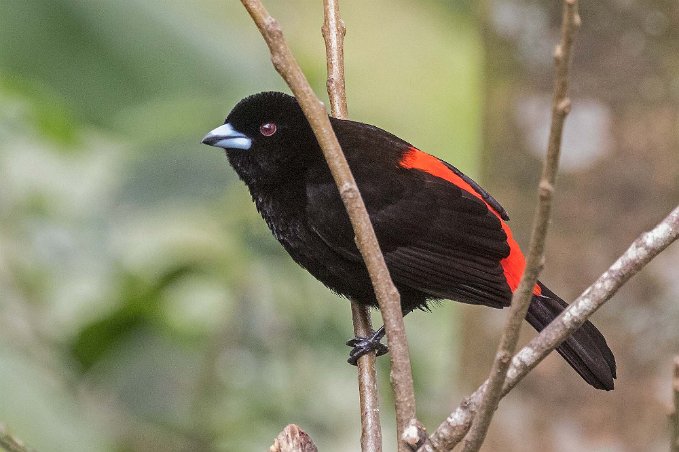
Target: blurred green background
x,y
145,306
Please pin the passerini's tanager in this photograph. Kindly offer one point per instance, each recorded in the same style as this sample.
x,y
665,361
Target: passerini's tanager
x,y
442,235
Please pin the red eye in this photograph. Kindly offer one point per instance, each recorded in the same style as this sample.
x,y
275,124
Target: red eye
x,y
267,129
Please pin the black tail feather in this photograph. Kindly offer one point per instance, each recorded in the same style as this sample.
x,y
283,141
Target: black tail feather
x,y
586,350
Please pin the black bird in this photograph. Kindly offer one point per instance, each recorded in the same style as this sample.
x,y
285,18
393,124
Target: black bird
x,y
442,235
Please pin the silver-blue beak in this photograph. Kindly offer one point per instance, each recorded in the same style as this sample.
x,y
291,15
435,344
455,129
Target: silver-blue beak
x,y
225,136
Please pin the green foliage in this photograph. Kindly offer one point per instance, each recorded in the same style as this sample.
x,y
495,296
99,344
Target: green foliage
x,y
139,308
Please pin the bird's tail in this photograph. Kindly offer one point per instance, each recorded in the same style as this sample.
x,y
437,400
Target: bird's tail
x,y
585,350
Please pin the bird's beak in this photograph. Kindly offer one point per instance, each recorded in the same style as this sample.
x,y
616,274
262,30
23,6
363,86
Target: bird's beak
x,y
225,136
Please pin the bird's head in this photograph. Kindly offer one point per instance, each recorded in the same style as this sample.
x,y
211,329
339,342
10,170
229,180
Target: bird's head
x,y
265,136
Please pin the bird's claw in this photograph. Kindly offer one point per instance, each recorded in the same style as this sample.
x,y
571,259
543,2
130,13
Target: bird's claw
x,y
364,345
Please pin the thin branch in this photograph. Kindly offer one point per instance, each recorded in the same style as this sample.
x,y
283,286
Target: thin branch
x,y
638,255
371,431
674,417
293,439
415,435
333,31
535,258
387,296
10,443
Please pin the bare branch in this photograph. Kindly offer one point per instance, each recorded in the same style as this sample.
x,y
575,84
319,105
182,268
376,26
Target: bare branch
x,y
674,417
640,253
535,258
333,34
10,443
293,439
371,431
415,435
387,296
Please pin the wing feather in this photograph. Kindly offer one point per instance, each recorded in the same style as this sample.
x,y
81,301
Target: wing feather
x,y
437,238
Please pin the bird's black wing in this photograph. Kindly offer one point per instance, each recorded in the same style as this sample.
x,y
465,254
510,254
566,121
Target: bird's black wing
x,y
436,237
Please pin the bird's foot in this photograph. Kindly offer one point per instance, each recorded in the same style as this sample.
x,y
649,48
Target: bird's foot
x,y
363,345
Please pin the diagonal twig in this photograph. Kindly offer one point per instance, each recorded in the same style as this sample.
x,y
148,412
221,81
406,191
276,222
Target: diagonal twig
x,y
535,257
10,443
636,257
387,296
333,31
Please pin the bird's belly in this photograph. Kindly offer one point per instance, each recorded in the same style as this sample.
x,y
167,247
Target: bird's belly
x,y
343,276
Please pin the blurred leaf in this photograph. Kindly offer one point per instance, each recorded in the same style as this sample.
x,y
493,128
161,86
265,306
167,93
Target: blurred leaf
x,y
138,309
25,100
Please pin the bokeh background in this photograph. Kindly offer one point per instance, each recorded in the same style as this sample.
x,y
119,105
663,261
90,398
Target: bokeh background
x,y
144,305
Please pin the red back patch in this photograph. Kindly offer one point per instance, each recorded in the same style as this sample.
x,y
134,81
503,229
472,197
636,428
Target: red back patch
x,y
512,265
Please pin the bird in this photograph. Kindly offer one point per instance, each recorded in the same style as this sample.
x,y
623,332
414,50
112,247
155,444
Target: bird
x,y
442,235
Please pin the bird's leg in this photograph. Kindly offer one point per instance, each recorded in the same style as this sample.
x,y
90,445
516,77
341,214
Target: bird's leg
x,y
363,345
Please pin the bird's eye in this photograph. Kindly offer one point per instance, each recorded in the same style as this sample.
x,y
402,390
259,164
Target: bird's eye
x,y
267,129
